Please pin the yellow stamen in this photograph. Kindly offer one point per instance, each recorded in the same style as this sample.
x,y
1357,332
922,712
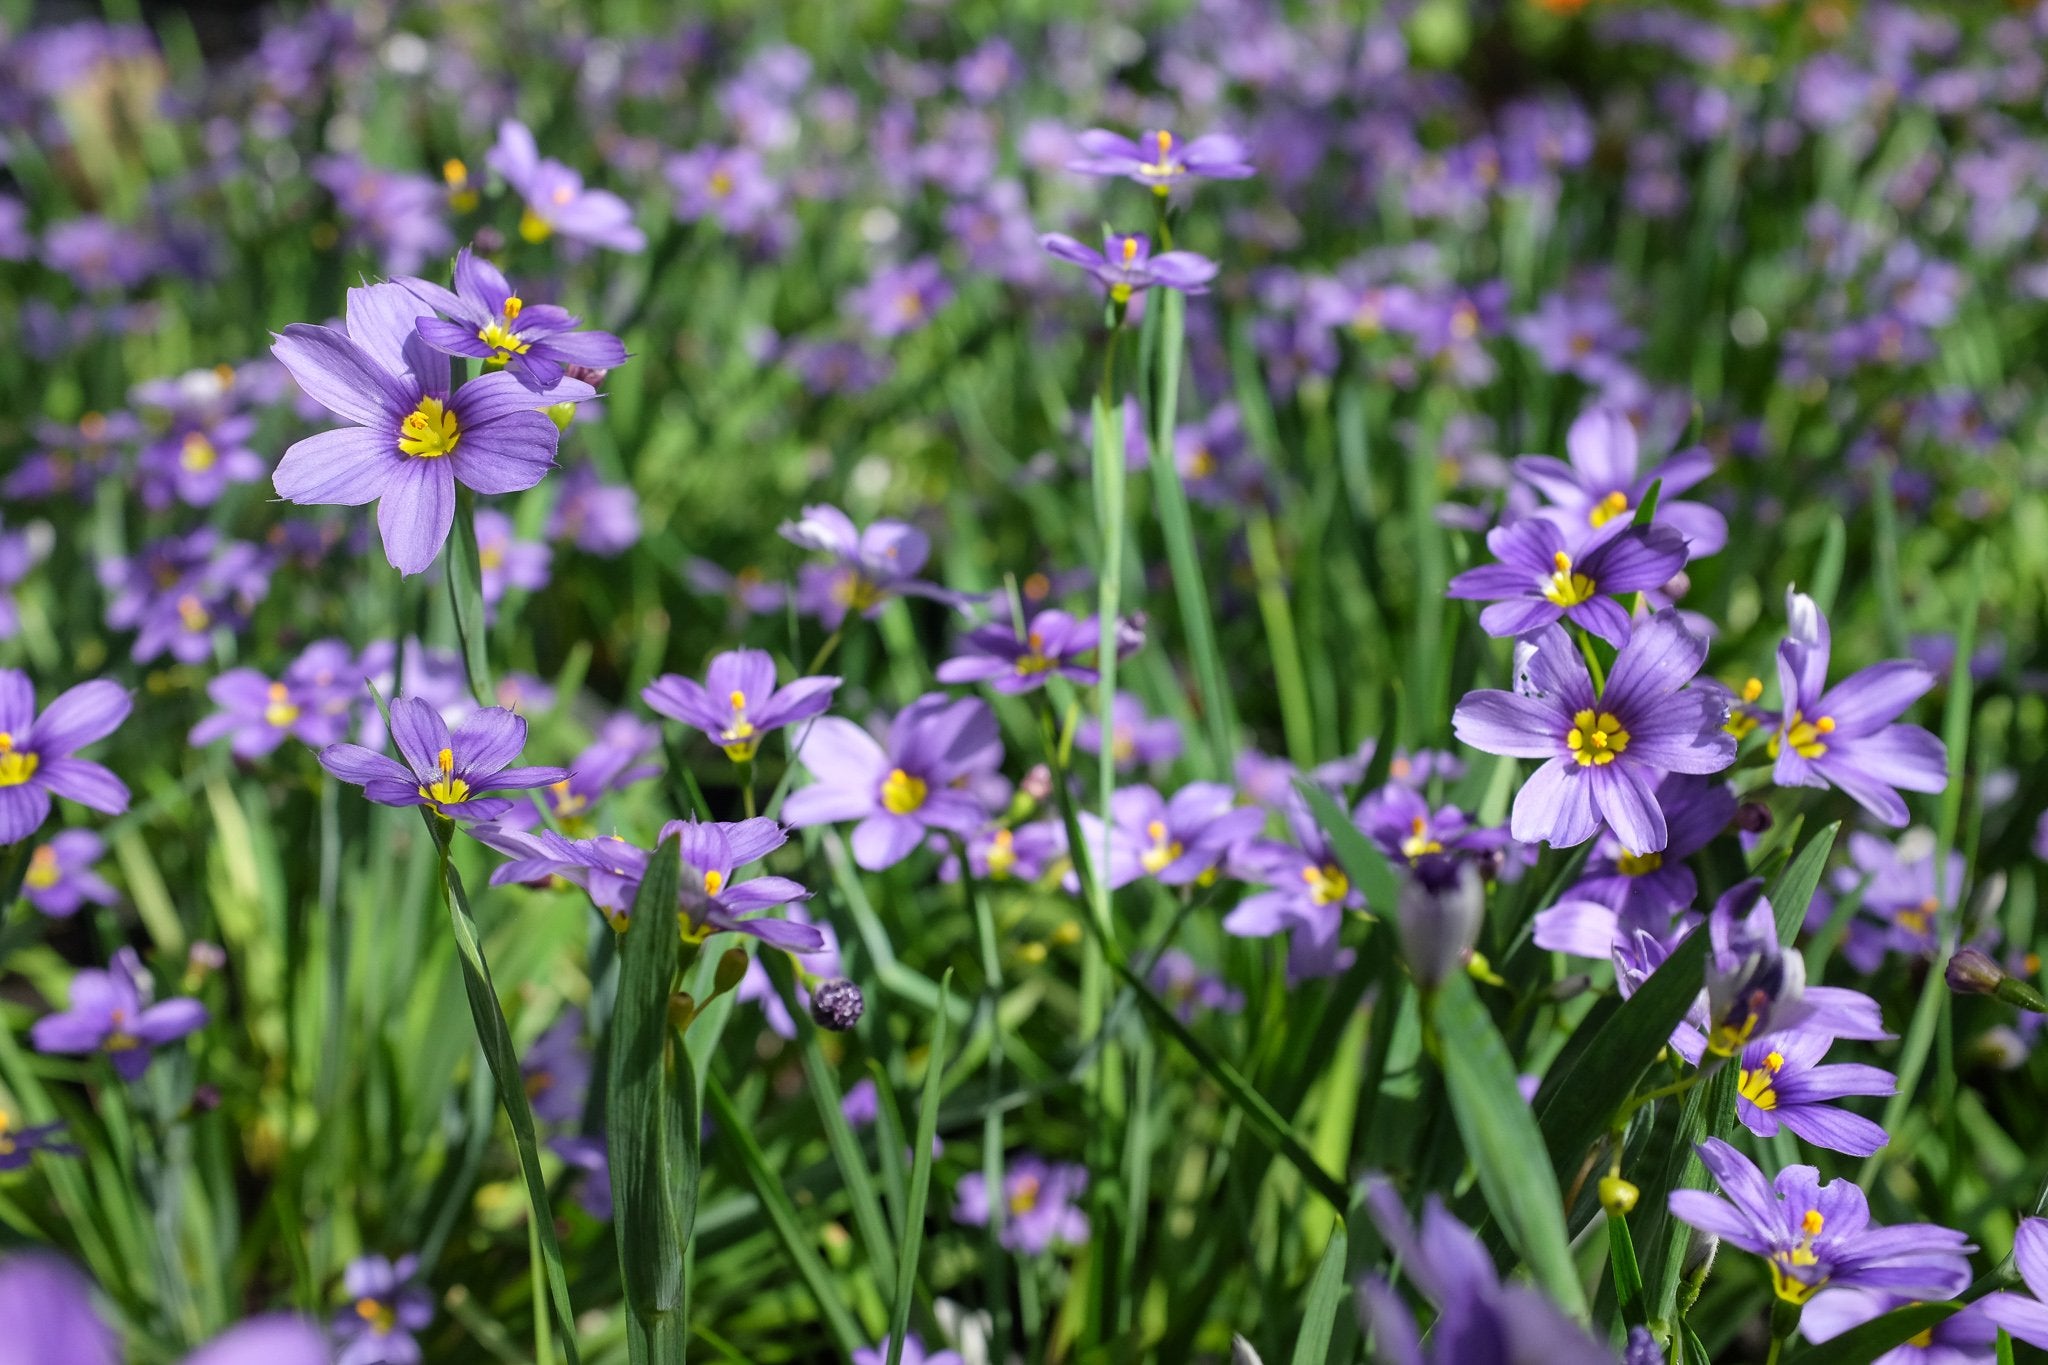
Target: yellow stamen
x,y
1565,587
429,430
454,172
714,882
450,789
1024,1198
197,454
1130,250
1162,852
534,228
1596,738
1752,689
902,793
720,183
1418,843
1608,508
192,613
1002,854
1034,661
381,1316
42,875
280,711
1805,737
568,804
1327,885
1637,864
503,339
16,767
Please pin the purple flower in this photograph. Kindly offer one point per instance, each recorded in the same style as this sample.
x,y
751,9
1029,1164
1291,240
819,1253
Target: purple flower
x,y
1783,1082
1180,841
914,1353
71,458
387,1306
822,964
1811,1234
410,440
1040,1204
1843,736
1400,821
588,1155
18,1146
1480,1319
900,298
730,185
112,1012
176,592
1136,739
1158,161
99,255
2026,1318
711,903
1538,580
197,459
1306,897
1016,661
507,563
899,794
1967,1338
1126,265
1900,903
1001,854
451,774
36,752
60,878
1753,985
868,567
1579,332
738,701
556,1070
259,714
611,763
396,214
47,1304
556,200
487,321
1597,493
601,518
1622,887
1182,983
1605,751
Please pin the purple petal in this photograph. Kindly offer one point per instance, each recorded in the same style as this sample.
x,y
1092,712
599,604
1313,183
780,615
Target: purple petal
x,y
1627,803
487,740
354,764
2030,1253
80,715
421,736
1661,657
1556,806
1603,448
507,454
454,339
341,376
87,783
1498,722
2024,1318
883,840
346,467
416,510
1873,697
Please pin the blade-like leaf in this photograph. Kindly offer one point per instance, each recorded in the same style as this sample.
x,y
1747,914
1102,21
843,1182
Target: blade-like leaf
x,y
1793,890
1628,1276
638,1096
1363,862
1503,1140
466,595
1863,1345
1325,1293
912,1246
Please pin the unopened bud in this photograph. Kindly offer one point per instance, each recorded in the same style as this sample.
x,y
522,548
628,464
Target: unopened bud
x,y
1037,783
1067,934
1439,924
1618,1196
837,1005
1753,817
732,969
1972,972
682,1008
588,374
1570,987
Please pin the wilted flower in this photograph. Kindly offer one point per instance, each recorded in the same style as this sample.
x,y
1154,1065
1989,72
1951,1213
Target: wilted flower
x,y
1126,265
387,1306
36,759
453,774
738,703
556,200
487,321
1041,1203
113,1012
1813,1235
1843,736
1158,161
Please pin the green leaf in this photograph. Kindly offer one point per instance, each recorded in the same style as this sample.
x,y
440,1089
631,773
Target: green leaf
x,y
1646,510
1863,1345
1628,1276
1363,862
638,1096
912,1246
1325,1294
1579,1101
1792,891
466,595
495,1036
736,1133
1503,1140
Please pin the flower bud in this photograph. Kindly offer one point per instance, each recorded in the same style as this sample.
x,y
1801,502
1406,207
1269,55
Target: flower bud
x,y
1972,972
1440,924
1753,817
682,1008
732,968
837,1005
1618,1196
561,414
1037,783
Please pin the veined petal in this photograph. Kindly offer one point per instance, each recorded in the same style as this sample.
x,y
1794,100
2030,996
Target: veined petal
x,y
341,376
415,512
345,467
90,711
1497,722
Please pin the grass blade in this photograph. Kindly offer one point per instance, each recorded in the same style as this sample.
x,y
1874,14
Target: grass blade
x,y
1792,890
1363,862
466,595
912,1247
1325,1293
1863,1345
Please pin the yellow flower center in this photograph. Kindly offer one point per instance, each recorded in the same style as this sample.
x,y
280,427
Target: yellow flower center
x,y
1805,736
1024,1198
381,1316
192,612
280,711
568,804
1162,852
42,875
503,339
1596,738
1565,587
534,228
1418,841
1465,322
1002,854
1130,251
1922,1338
7,1145
449,789
1164,167
1637,864
1327,885
1793,1290
197,454
902,793
1607,509
720,183
909,305
429,430
1034,662
1755,1082
16,767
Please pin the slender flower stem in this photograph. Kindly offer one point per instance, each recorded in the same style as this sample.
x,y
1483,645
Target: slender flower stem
x,y
825,651
992,1117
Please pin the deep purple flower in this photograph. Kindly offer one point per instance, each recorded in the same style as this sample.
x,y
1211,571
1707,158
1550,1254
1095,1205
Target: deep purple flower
x,y
900,298
900,793
48,1306
507,563
612,763
1783,1082
113,1012
1605,751
868,566
1967,1338
1126,265
410,440
1538,580
1481,1320
914,1353
1619,885
1179,841
1041,1204
18,1146
556,200
1596,494
738,702
387,1306
451,774
1137,740
60,878
1014,661
36,752
487,321
711,903
1401,822
1813,1235
1160,162
1844,736
2023,1316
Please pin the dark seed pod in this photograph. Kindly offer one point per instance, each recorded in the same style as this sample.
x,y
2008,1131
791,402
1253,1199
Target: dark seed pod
x,y
837,1005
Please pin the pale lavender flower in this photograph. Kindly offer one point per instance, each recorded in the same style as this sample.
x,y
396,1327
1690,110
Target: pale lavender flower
x,y
61,879
900,298
601,518
36,752
388,1305
1596,494
1014,661
1538,582
114,1012
1126,265
488,320
507,563
738,703
868,566
2025,1316
1041,1204
1181,841
452,774
556,199
1137,740
1160,162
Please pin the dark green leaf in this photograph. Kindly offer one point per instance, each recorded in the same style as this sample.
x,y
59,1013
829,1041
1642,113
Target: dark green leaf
x,y
1793,889
912,1246
1863,1345
1325,1294
1628,1276
1363,862
466,595
639,1098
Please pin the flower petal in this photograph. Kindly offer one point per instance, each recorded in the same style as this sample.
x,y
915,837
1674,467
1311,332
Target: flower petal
x,y
90,711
